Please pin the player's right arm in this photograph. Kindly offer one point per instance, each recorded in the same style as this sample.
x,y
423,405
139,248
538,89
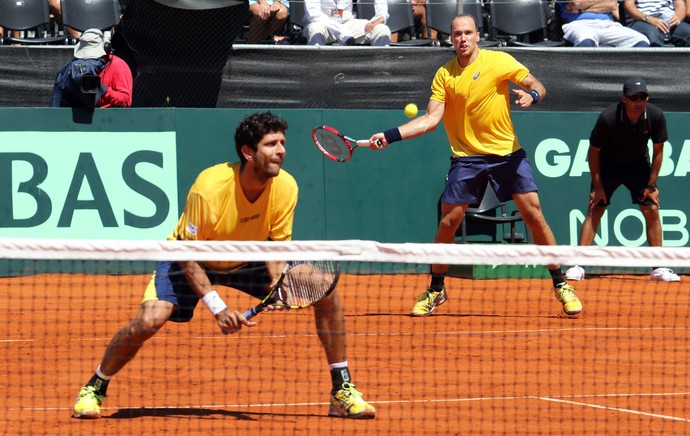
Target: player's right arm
x,y
228,321
416,127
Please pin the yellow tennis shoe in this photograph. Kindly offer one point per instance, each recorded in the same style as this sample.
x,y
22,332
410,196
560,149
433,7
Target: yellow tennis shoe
x,y
566,295
428,301
88,404
347,402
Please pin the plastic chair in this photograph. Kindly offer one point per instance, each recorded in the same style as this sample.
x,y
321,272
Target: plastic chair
x,y
297,13
26,16
520,23
92,14
492,211
400,18
440,15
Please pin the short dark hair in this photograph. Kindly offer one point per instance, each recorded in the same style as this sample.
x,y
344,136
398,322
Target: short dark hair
x,y
254,127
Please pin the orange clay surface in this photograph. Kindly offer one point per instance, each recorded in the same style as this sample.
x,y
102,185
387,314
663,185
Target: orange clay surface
x,y
497,358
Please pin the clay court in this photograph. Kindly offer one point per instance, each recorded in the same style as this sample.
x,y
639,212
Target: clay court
x,y
495,359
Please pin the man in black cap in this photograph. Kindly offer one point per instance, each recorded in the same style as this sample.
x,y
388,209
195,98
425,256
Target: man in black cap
x,y
618,155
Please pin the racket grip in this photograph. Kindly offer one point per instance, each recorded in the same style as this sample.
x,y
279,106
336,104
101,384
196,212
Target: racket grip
x,y
251,313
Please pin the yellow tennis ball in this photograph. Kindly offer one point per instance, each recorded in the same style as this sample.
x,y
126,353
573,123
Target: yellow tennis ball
x,y
411,110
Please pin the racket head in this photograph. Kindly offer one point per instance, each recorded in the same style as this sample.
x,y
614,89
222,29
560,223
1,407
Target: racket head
x,y
332,144
306,283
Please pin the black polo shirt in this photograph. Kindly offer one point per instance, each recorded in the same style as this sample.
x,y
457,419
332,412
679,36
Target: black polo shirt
x,y
623,142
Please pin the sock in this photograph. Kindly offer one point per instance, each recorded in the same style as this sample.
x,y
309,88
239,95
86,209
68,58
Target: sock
x,y
437,281
99,381
339,374
557,276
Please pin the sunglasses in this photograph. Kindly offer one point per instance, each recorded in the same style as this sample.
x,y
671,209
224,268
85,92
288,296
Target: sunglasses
x,y
638,97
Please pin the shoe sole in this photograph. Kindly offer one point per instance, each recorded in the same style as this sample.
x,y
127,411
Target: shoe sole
x,y
87,415
365,414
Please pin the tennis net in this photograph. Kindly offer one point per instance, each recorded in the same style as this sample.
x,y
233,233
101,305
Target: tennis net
x,y
498,357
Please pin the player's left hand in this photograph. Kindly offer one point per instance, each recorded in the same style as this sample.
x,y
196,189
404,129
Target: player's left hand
x,y
524,100
651,195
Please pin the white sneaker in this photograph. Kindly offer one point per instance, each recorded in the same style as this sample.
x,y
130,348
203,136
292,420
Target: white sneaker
x,y
664,275
575,273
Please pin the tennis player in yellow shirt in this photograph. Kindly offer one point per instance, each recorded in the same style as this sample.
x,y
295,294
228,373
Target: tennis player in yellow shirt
x,y
250,200
471,95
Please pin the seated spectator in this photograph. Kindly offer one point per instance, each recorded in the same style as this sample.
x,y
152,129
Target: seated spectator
x,y
56,10
268,17
115,87
661,21
592,23
328,23
420,29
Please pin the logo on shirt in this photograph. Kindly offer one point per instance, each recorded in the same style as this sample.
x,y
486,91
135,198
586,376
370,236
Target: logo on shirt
x,y
249,218
476,76
192,229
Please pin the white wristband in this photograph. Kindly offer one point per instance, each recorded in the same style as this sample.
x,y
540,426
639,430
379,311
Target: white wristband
x,y
214,303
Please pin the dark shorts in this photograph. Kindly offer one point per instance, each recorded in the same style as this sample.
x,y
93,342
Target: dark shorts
x,y
171,285
634,178
468,176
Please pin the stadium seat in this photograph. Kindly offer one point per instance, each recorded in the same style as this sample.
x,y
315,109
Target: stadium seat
x,y
400,19
93,14
491,213
520,23
440,15
30,17
297,13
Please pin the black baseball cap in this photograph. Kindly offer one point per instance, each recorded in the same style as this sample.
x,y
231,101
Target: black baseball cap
x,y
634,85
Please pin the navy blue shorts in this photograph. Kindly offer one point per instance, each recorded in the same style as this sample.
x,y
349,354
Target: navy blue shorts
x,y
634,178
171,285
468,176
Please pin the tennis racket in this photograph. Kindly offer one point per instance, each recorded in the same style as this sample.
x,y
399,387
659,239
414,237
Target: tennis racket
x,y
334,144
301,285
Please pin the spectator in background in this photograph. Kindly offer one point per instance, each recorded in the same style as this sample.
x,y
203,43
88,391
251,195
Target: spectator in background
x,y
593,23
661,21
329,22
618,155
420,30
115,75
268,17
56,10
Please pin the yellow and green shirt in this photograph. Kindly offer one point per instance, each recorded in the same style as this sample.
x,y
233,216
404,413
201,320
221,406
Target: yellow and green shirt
x,y
477,103
217,210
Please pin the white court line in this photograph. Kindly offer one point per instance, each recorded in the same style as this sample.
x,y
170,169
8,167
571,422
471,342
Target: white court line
x,y
616,409
561,399
383,334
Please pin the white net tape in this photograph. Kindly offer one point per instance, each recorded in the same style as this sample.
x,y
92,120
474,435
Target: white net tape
x,y
343,250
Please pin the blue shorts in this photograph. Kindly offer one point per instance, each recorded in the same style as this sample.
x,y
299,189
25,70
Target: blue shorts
x,y
633,177
468,176
171,285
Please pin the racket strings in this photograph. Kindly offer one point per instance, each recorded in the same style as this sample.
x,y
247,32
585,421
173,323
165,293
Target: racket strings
x,y
307,283
332,143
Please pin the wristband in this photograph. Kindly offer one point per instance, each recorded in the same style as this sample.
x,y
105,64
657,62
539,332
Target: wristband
x,y
214,303
652,186
392,135
534,94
